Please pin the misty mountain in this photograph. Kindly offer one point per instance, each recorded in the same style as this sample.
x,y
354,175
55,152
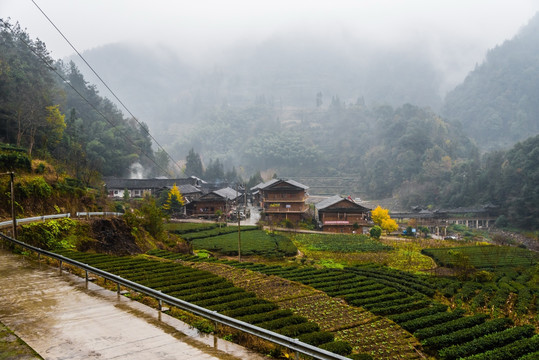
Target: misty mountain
x,y
286,71
497,102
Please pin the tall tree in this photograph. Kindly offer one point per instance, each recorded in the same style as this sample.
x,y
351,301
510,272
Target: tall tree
x,y
193,165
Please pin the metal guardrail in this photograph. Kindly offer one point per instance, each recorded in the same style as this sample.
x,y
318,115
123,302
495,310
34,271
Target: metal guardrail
x,y
285,341
57,216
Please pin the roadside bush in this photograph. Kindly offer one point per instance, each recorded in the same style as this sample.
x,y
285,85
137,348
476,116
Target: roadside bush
x,y
49,235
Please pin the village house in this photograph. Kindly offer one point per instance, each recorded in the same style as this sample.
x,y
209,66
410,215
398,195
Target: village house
x,y
218,200
190,188
342,215
282,200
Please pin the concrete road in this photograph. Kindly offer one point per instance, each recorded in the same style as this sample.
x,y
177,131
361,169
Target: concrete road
x,y
62,316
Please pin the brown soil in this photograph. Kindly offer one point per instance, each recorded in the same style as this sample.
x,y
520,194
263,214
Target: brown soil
x,y
112,236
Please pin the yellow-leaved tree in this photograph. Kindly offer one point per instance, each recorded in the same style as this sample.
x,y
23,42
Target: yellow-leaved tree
x,y
175,201
380,217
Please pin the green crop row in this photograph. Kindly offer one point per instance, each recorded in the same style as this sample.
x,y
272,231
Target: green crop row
x,y
482,257
428,321
387,296
487,342
368,294
185,228
397,309
265,316
468,334
282,322
450,326
216,232
511,351
433,308
383,304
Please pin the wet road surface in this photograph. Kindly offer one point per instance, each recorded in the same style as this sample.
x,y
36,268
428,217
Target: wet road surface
x,y
62,316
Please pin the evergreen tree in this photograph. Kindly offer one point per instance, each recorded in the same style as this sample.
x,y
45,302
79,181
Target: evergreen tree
x,y
193,165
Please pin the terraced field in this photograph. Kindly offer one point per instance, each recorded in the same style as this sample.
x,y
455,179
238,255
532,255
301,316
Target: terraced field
x,y
387,294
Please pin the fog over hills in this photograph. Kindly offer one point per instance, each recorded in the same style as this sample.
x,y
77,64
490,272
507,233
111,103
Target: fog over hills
x,y
497,102
289,71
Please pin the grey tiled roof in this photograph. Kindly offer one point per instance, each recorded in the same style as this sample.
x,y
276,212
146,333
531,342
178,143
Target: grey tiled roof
x,y
275,181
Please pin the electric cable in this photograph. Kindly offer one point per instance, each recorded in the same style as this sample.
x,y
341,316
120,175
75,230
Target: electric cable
x,y
109,89
97,110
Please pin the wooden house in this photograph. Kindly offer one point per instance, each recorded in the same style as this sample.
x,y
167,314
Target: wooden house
x,y
342,215
207,205
283,200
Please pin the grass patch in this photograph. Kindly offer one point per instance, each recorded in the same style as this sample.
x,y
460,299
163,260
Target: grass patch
x,y
12,347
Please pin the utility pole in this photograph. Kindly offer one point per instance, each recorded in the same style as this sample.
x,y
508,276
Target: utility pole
x,y
239,229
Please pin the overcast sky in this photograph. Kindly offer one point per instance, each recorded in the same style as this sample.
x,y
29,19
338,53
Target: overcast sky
x,y
459,32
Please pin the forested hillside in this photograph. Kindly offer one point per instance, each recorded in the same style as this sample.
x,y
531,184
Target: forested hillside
x,y
49,109
497,103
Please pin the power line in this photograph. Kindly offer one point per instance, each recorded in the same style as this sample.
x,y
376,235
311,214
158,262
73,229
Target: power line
x,y
66,81
109,89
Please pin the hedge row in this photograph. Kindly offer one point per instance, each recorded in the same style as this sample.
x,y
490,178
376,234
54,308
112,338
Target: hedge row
x,y
487,342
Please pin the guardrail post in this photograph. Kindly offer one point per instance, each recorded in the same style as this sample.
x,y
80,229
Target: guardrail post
x,y
118,288
60,265
86,275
